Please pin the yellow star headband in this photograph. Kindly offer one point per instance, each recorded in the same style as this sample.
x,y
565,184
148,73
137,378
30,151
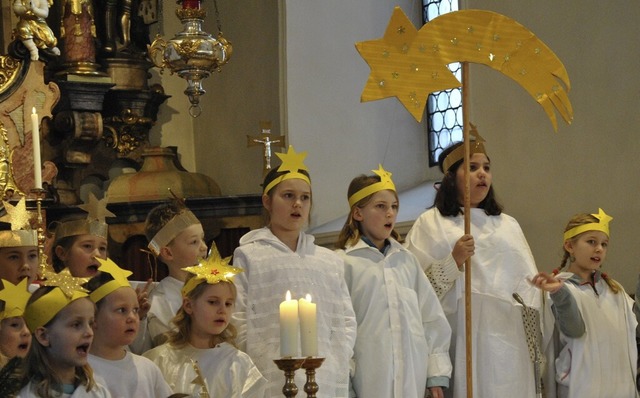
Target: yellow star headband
x,y
15,298
476,146
212,270
119,279
67,288
384,184
171,229
602,225
94,224
21,234
292,163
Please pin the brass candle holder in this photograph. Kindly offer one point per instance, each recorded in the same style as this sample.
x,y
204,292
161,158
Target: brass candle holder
x,y
310,365
42,258
289,366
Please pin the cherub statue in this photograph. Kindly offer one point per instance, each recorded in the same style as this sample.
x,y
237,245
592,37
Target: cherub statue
x,y
32,28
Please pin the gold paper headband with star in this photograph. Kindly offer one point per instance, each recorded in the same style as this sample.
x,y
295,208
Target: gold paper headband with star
x,y
21,234
384,184
94,224
15,298
212,270
292,163
602,225
119,279
476,146
67,289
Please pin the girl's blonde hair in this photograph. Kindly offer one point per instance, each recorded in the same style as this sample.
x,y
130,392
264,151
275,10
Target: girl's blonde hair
x,y
180,336
575,221
351,231
38,367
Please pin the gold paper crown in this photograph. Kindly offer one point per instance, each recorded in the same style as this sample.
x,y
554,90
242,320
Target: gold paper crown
x,y
21,234
292,163
171,229
212,270
119,279
477,146
601,225
67,288
94,224
384,184
15,298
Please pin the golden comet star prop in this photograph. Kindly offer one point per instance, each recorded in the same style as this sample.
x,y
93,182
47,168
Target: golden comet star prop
x,y
409,64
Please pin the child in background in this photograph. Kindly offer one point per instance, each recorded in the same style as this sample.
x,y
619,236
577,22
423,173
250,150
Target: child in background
x,y
59,315
124,374
19,246
200,355
393,300
594,315
15,337
77,244
281,257
176,238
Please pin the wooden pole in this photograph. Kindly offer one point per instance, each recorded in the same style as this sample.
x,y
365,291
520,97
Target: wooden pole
x,y
467,228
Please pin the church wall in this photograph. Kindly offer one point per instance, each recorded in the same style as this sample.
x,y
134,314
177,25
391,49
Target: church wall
x,y
542,177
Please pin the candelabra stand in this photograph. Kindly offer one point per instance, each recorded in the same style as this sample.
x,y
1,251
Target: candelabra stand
x,y
289,366
42,258
310,365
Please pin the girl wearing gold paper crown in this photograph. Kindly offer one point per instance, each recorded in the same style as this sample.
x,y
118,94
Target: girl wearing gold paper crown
x,y
593,314
500,266
19,246
15,337
200,357
124,374
78,243
279,258
393,300
59,315
176,238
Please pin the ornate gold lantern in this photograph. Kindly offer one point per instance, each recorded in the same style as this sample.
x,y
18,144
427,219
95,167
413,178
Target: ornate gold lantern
x,y
193,53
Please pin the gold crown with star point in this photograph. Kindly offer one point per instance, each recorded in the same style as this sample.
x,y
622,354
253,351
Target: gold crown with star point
x,y
66,289
214,269
292,164
602,225
94,224
15,298
385,183
120,279
21,234
476,145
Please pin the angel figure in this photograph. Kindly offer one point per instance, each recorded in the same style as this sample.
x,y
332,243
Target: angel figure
x,y
32,28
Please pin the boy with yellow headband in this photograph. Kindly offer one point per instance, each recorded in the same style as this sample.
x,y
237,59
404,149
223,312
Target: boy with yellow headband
x,y
116,325
598,355
392,298
18,246
176,238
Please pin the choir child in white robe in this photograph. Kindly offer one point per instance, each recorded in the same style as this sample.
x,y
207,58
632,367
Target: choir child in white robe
x,y
124,374
176,238
15,337
60,315
393,300
597,355
280,258
200,356
501,263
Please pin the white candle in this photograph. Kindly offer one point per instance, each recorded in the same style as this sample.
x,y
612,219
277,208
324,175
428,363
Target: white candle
x,y
288,327
308,327
35,137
